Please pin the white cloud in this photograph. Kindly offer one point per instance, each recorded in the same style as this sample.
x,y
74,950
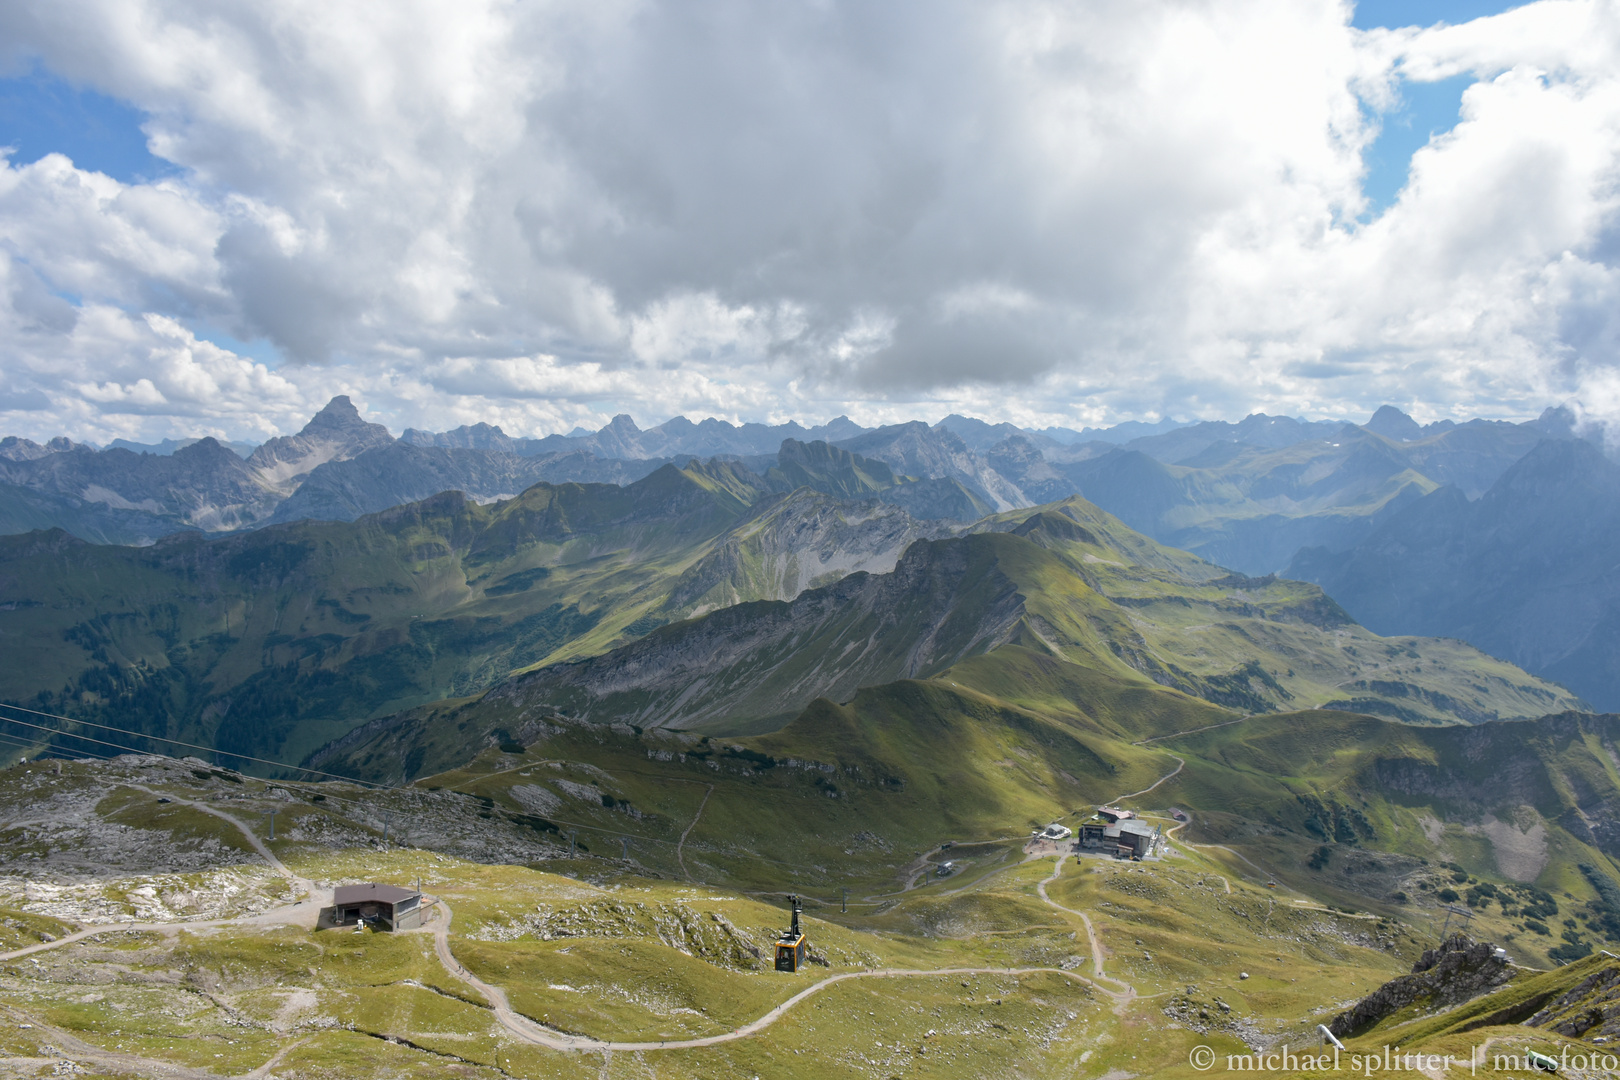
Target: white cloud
x,y
96,238
1050,213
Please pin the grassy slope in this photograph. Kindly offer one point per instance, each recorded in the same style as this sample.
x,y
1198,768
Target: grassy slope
x,y
276,641
1323,477
1512,808
1258,644
856,794
1066,613
847,794
635,952
1051,720
627,956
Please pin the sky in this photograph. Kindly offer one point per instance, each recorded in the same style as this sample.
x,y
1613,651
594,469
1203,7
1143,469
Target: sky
x,y
214,216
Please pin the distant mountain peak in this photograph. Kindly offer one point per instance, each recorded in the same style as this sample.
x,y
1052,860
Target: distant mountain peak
x,y
338,417
1556,421
336,433
1572,467
1392,423
14,448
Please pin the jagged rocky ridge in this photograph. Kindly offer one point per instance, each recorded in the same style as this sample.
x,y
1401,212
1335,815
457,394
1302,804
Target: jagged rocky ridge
x,y
1458,970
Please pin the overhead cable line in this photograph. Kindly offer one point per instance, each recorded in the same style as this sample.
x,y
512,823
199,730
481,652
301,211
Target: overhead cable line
x,y
47,747
83,738
164,738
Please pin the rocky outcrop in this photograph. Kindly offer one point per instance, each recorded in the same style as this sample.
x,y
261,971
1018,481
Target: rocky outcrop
x,y
1459,970
1589,1009
14,449
830,469
919,451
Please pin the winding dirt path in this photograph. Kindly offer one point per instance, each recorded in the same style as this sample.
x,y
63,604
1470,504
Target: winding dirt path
x,y
264,1070
301,913
1193,731
1181,763
680,844
304,911
1178,826
915,872
298,883
1120,996
526,1030
1267,874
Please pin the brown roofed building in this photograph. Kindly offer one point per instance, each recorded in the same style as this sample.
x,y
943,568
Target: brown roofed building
x,y
395,908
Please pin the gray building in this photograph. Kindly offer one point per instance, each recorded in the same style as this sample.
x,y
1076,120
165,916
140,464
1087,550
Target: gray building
x,y
1135,838
1127,837
393,907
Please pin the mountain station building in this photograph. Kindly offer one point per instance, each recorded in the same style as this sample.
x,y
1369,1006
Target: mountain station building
x,y
390,905
1128,838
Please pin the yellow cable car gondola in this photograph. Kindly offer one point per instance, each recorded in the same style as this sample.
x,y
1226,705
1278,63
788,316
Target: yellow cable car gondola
x,y
791,946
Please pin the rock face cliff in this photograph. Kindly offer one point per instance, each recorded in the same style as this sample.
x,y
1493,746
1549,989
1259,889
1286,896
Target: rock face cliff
x,y
801,540
336,433
1459,970
763,661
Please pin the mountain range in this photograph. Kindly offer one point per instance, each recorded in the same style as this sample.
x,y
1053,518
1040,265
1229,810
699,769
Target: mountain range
x,y
1248,495
1320,500
739,603
1528,571
808,669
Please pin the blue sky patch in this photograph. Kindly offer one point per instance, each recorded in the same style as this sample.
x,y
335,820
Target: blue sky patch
x,y
258,349
1394,13
1425,110
41,114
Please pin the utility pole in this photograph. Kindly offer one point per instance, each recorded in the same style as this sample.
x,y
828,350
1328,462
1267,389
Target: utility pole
x,y
624,848
572,833
386,816
272,824
843,905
